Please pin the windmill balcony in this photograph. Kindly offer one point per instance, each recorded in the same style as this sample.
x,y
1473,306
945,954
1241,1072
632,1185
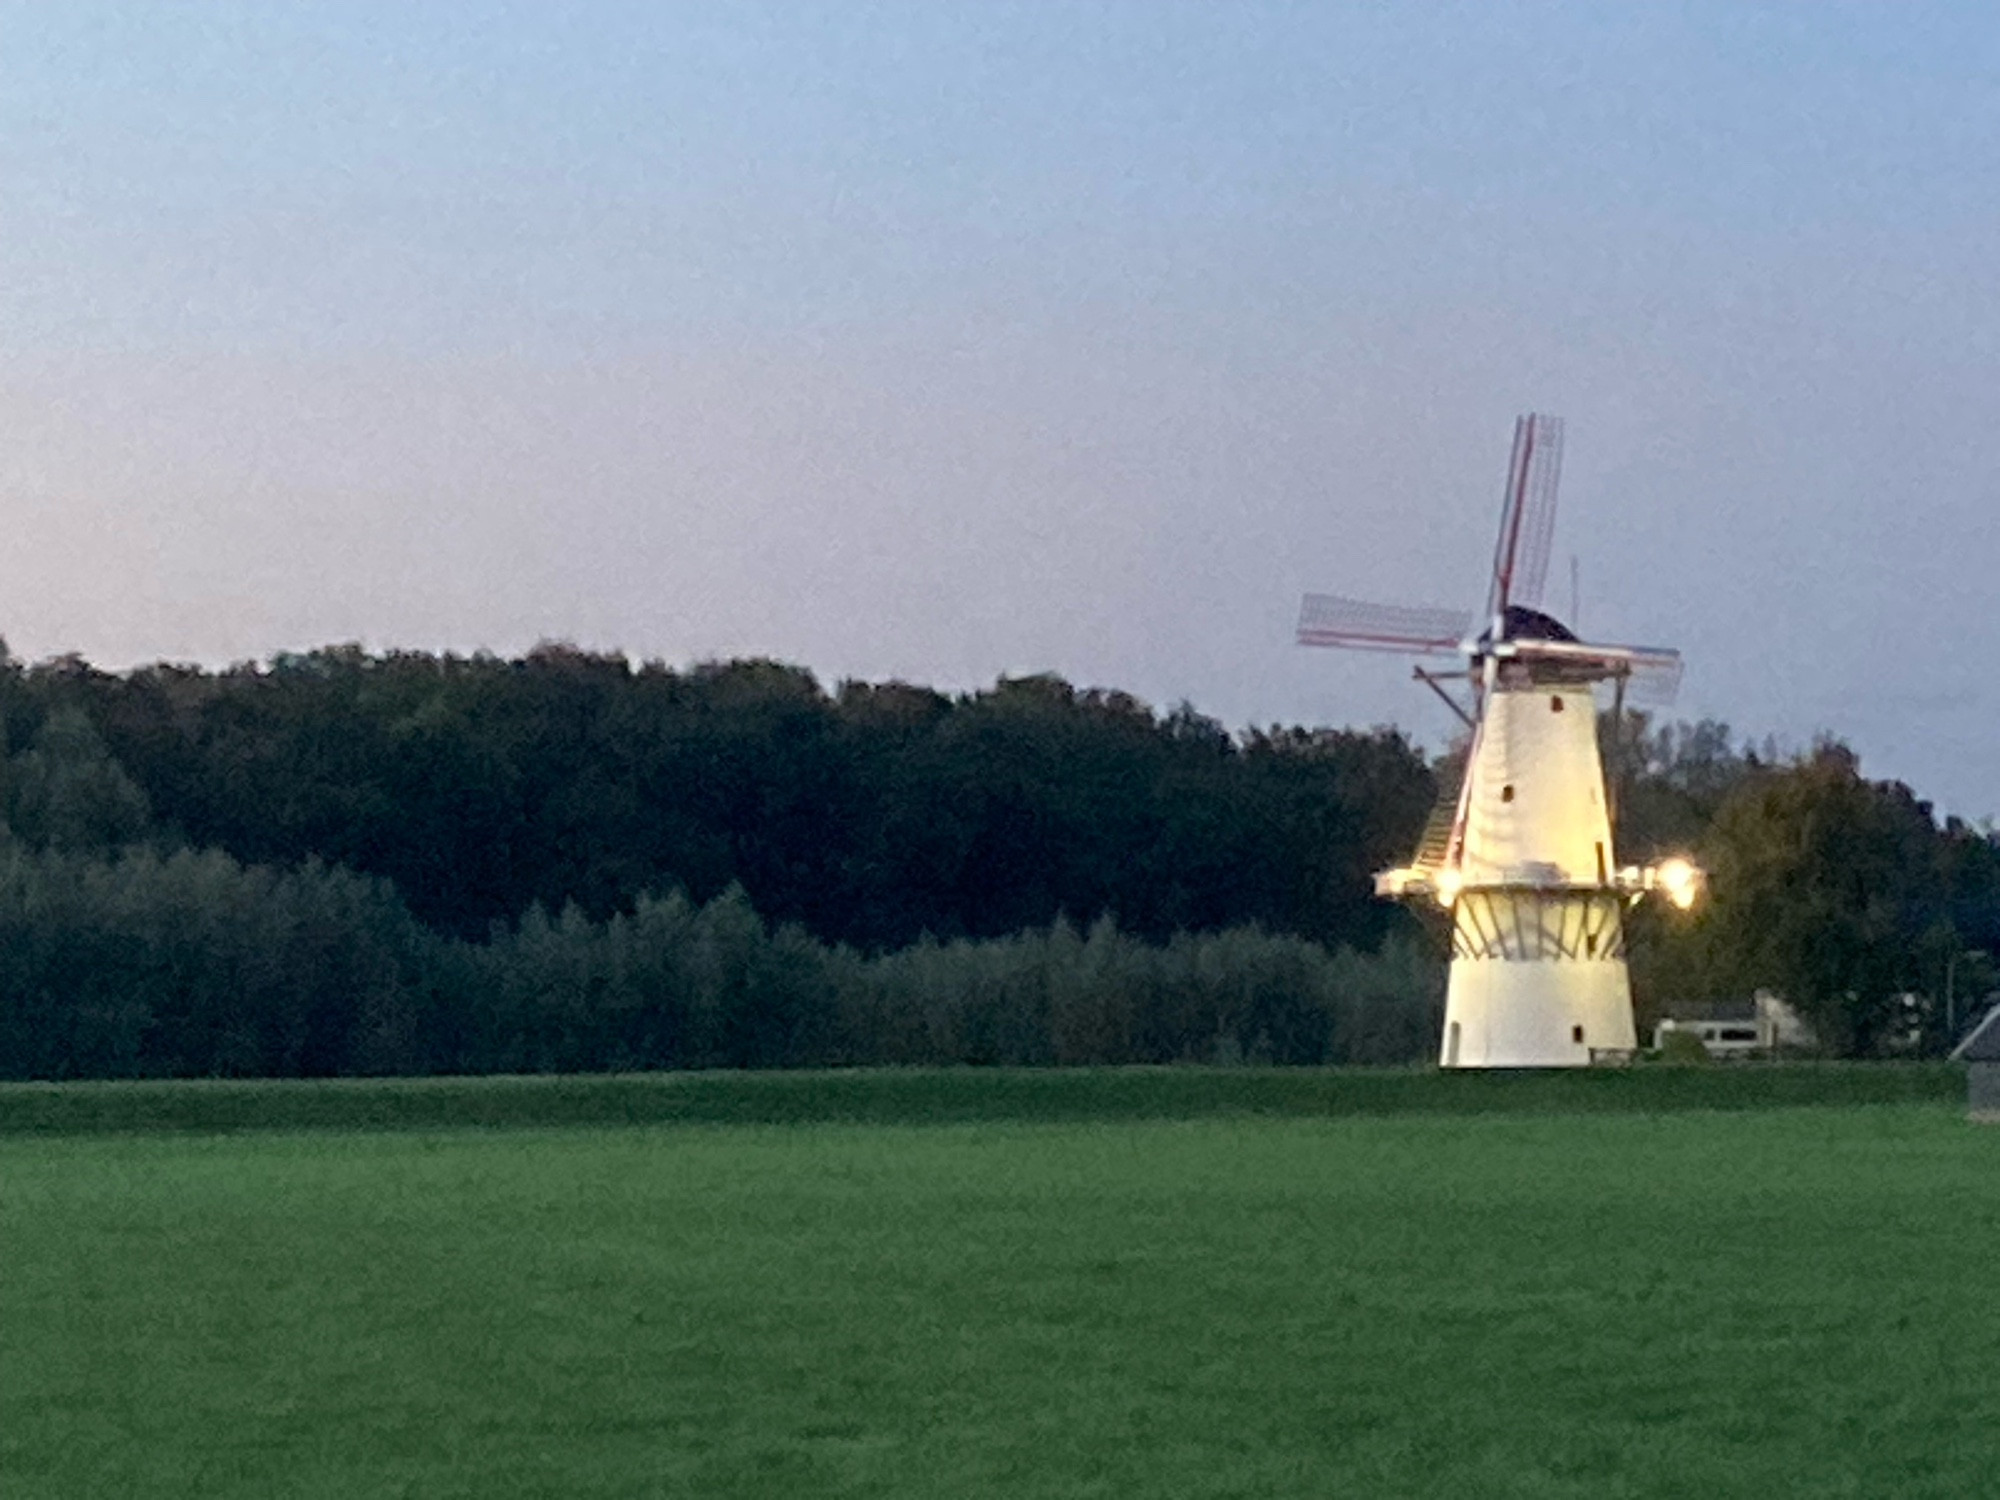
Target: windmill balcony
x,y
1679,880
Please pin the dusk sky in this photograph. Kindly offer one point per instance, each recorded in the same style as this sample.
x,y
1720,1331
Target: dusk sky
x,y
945,341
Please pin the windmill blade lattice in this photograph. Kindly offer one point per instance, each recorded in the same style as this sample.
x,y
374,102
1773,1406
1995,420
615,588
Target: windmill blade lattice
x,y
1527,516
1655,680
1652,673
1358,625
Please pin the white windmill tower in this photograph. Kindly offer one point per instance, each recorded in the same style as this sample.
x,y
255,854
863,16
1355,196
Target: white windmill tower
x,y
1520,851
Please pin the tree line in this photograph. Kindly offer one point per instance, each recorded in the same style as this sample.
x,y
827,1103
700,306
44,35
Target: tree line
x,y
870,815
344,862
191,964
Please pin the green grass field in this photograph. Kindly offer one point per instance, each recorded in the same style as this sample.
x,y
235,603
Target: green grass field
x,y
936,1096
1780,1301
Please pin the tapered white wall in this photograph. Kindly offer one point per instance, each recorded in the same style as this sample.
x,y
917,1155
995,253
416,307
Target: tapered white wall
x,y
1538,976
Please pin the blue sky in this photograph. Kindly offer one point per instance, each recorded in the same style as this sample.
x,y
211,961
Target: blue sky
x,y
943,341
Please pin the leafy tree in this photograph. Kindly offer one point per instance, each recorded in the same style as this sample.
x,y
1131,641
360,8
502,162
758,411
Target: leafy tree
x,y
1670,780
1824,887
68,792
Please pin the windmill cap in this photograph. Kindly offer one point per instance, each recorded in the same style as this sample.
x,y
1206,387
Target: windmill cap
x,y
1519,623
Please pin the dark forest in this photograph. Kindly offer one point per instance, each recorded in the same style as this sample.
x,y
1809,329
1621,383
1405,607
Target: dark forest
x,y
342,862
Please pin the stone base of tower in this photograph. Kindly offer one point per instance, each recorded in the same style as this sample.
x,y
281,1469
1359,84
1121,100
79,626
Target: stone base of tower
x,y
1536,1013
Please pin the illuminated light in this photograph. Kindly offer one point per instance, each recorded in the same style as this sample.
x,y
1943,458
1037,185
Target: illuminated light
x,y
1680,880
1448,882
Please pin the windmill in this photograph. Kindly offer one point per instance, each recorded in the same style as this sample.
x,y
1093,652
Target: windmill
x,y
1519,851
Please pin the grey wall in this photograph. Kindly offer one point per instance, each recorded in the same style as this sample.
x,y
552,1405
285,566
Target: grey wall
x,y
1983,1089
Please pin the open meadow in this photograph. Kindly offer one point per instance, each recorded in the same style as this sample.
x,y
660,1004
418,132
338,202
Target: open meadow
x,y
1503,1302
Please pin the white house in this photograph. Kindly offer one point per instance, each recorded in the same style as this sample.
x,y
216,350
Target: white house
x,y
1761,1026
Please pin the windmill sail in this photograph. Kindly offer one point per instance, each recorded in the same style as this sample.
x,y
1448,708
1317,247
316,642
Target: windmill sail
x,y
1527,516
1330,620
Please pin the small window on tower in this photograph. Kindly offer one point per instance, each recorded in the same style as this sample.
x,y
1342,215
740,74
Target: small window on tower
x,y
1507,792
1576,1035
1555,705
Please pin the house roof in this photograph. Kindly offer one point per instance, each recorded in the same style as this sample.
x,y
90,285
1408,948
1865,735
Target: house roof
x,y
1982,1043
1712,1010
